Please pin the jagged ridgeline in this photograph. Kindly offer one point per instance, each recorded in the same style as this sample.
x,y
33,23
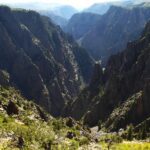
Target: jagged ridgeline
x,y
43,63
114,30
81,23
120,95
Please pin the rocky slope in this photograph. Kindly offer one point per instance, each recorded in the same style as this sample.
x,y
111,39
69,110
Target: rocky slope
x,y
25,125
115,28
40,59
119,95
80,24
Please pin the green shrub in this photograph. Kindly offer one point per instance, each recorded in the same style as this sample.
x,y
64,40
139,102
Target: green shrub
x,y
83,141
57,125
74,145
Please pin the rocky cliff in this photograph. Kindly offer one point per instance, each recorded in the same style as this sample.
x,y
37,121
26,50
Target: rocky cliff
x,y
121,93
40,59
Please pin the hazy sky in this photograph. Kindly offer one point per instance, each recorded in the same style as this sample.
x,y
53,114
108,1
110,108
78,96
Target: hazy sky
x,y
75,3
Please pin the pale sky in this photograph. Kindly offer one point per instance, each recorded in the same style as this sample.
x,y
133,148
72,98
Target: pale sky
x,y
75,3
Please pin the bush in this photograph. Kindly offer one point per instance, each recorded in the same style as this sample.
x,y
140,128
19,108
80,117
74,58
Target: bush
x,y
84,141
57,125
117,139
74,145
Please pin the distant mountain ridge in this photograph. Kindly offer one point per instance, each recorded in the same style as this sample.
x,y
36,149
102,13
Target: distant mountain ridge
x,y
102,8
65,11
59,15
56,19
114,30
81,23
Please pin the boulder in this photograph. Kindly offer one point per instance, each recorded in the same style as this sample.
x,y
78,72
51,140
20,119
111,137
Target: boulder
x,y
12,109
70,122
70,135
